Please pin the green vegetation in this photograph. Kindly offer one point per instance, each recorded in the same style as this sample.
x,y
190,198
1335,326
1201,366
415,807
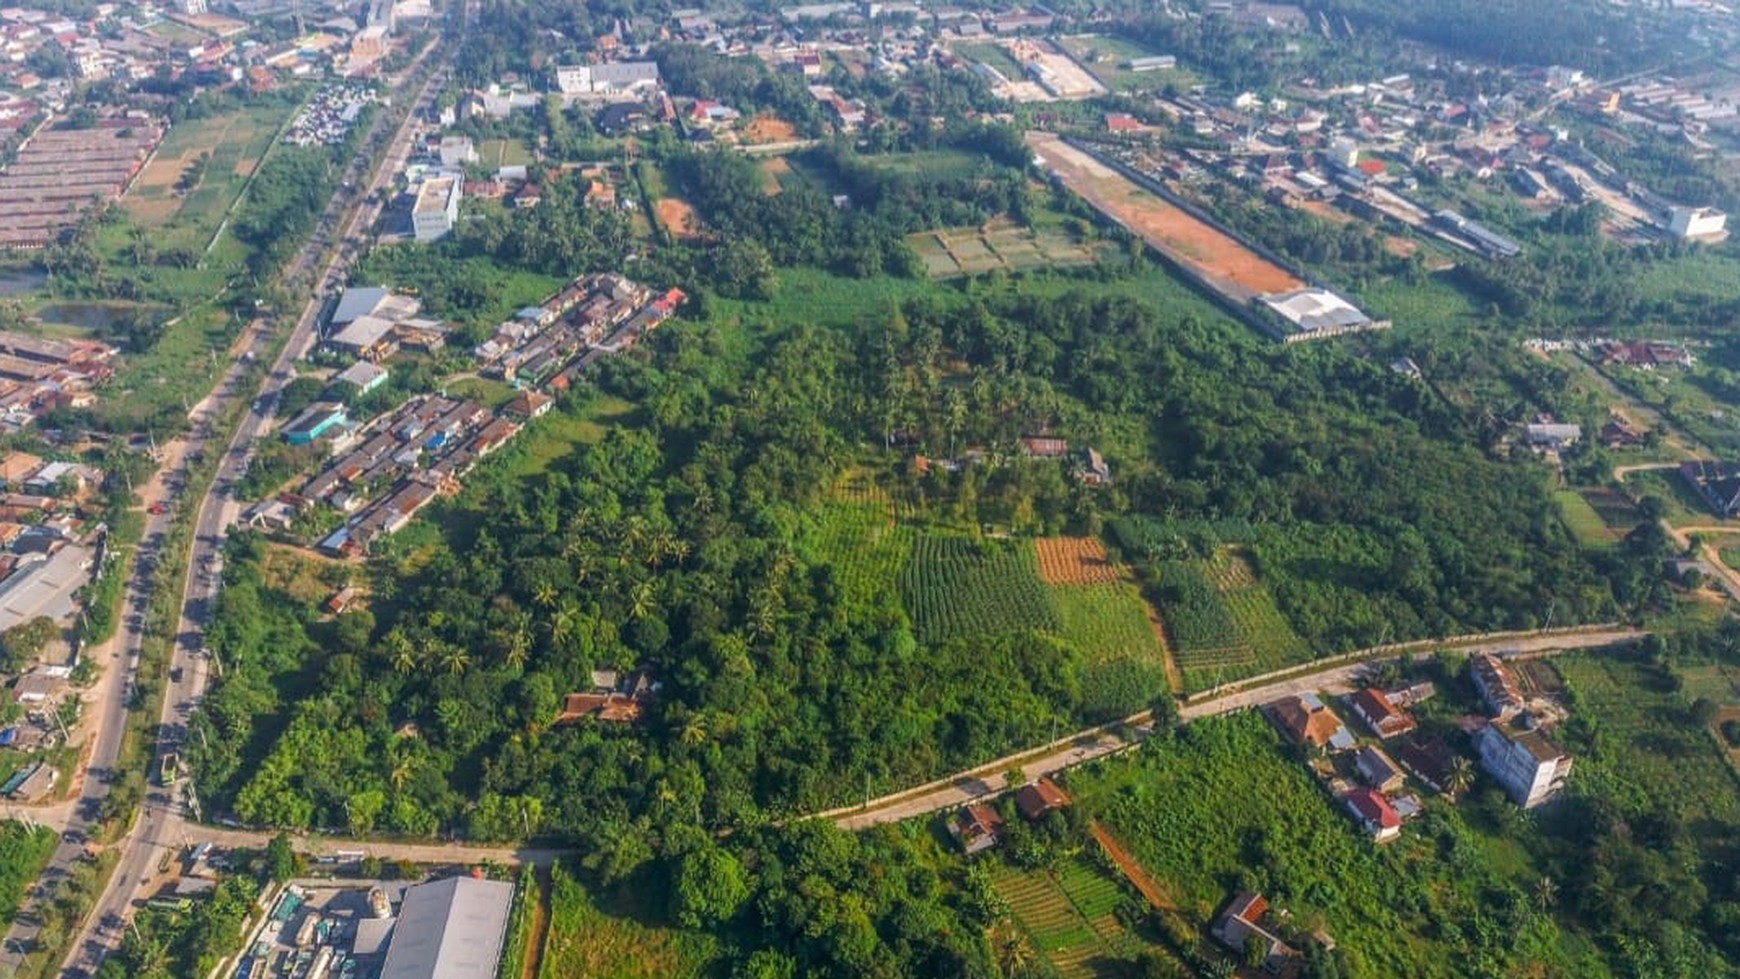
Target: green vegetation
x,y
187,942
24,851
960,587
1583,519
585,940
1069,910
1107,621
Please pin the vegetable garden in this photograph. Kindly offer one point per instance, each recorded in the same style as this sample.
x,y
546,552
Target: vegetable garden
x,y
1071,914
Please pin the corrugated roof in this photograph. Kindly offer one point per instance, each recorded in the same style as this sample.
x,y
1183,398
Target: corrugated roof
x,y
450,929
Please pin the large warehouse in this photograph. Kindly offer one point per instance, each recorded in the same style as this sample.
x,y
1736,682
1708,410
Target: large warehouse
x,y
450,929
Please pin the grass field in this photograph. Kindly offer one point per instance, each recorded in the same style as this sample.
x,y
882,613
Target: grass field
x,y
1105,56
497,153
1071,914
956,586
559,432
585,940
994,55
1584,520
24,851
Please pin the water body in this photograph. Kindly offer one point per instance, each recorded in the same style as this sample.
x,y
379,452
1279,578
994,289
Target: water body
x,y
18,282
96,317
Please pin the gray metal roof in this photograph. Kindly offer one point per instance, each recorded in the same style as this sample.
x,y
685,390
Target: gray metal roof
x,y
450,929
356,303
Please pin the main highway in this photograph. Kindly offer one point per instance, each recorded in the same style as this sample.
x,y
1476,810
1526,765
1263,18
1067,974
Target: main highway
x,y
161,823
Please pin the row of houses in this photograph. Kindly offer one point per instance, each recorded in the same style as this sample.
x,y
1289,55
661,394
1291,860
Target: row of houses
x,y
547,343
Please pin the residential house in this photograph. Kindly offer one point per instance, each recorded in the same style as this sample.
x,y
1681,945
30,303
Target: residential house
x,y
976,828
1307,720
1717,482
1408,695
1039,798
1617,434
1377,769
316,420
529,405
1375,710
614,698
1248,918
1094,472
1432,762
364,376
1374,814
1531,768
1496,685
1042,447
1553,436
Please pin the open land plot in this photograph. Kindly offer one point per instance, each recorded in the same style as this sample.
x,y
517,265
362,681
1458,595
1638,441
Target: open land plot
x,y
954,251
1107,56
775,172
991,54
1584,520
677,216
1055,71
856,533
1075,561
497,153
586,940
768,128
1221,260
231,145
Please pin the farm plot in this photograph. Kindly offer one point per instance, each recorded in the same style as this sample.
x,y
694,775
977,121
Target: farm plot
x,y
1223,623
856,533
972,251
197,173
1104,614
1614,508
955,586
1075,561
1071,914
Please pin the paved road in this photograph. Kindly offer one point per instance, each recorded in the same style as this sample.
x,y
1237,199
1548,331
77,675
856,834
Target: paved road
x,y
990,779
162,824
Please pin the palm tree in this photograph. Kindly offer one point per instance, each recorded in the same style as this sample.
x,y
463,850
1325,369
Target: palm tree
x,y
642,602
1012,947
1461,775
519,647
694,730
1546,894
402,652
455,658
545,594
403,768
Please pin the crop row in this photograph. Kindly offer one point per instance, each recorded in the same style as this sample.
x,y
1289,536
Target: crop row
x,y
954,586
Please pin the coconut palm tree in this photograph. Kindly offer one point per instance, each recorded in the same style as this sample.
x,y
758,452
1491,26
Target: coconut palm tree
x,y
1546,894
1461,775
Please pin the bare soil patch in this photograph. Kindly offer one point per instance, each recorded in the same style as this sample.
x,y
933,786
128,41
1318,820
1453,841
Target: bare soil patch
x,y
678,217
769,129
1075,561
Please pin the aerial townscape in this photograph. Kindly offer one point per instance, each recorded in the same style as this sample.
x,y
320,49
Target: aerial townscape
x,y
1130,489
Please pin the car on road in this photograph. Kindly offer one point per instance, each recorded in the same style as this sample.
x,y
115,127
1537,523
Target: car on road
x,y
159,507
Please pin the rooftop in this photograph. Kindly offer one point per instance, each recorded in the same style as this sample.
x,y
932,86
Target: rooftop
x,y
450,929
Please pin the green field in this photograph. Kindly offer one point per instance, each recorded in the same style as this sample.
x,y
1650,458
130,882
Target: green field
x,y
1223,623
586,940
559,432
972,251
497,153
235,142
1584,520
1108,621
955,586
24,851
1070,912
993,55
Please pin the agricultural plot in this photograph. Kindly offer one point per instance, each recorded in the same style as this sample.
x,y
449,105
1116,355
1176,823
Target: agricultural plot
x,y
1584,520
1071,914
1075,561
498,153
974,251
857,534
955,586
1614,508
1223,623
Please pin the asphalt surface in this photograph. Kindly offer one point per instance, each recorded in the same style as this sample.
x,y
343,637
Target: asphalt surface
x,y
163,823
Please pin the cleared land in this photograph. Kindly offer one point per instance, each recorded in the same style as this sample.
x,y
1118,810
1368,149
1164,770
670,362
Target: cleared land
x,y
678,217
972,251
1223,262
1075,561
766,128
1106,57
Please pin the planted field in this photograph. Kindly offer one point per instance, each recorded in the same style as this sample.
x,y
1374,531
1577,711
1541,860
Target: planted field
x,y
1223,623
1584,520
1108,622
972,251
1071,914
955,586
1613,507
198,171
586,940
1075,561
857,534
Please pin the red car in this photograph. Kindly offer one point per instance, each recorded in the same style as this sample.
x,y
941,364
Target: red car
x,y
158,507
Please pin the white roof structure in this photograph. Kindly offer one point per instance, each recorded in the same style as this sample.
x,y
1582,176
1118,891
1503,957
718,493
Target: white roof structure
x,y
358,302
362,333
44,587
1311,310
450,929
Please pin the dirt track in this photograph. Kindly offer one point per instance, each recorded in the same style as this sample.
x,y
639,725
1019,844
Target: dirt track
x,y
1150,888
1216,256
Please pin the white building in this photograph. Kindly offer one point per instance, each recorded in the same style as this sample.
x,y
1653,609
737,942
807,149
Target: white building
x,y
1531,768
437,208
457,151
618,78
1697,223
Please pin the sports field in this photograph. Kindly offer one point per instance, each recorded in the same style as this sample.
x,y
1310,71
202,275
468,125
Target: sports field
x,y
1218,258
